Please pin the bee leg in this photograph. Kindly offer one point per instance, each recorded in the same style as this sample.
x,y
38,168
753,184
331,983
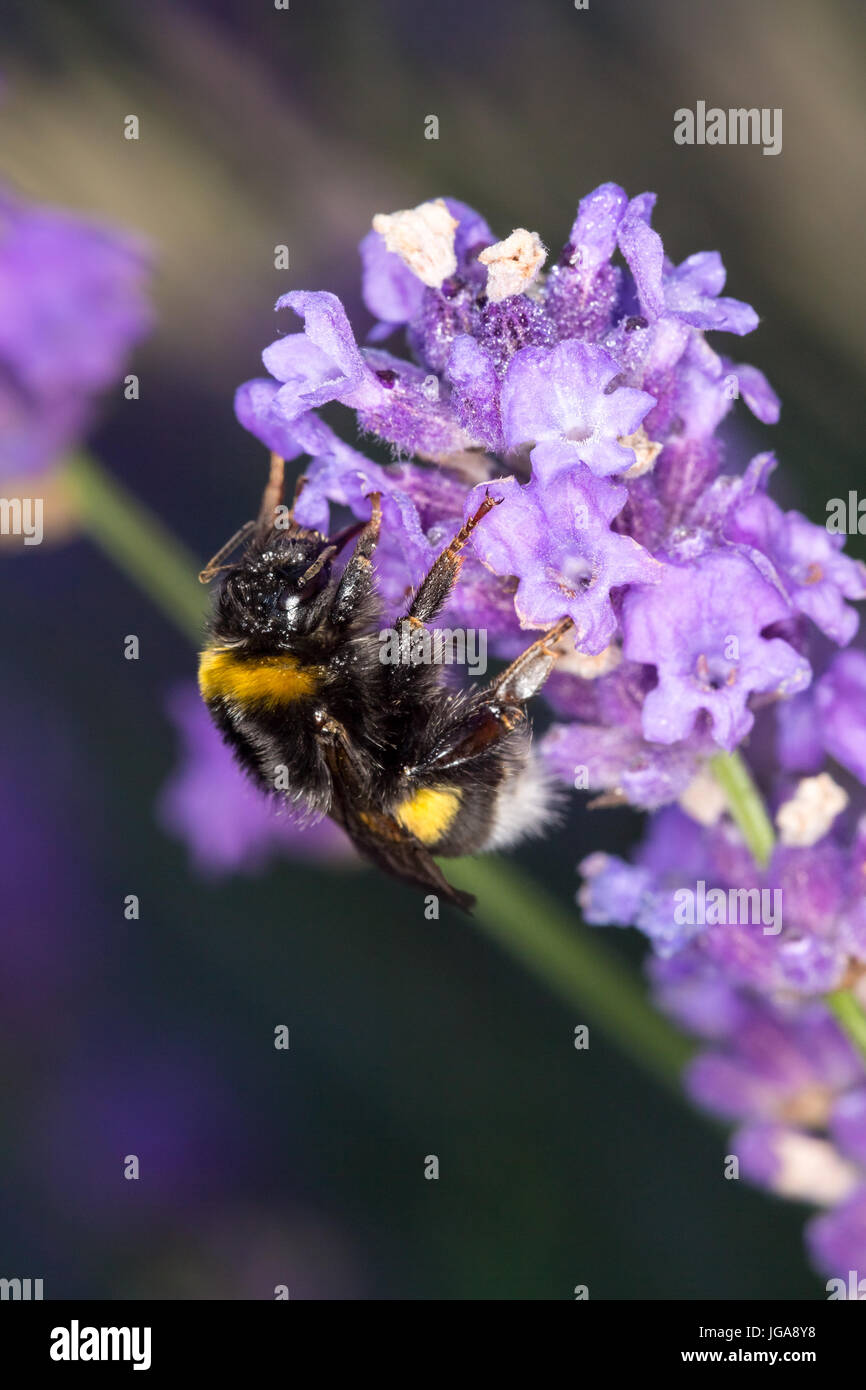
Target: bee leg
x,y
490,724
500,708
442,576
357,578
273,494
525,676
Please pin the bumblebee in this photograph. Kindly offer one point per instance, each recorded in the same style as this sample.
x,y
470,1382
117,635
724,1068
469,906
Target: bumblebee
x,y
293,677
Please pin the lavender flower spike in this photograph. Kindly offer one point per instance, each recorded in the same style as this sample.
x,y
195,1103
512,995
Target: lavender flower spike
x,y
74,306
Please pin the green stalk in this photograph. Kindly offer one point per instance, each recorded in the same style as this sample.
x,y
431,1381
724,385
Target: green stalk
x,y
138,544
746,804
850,1017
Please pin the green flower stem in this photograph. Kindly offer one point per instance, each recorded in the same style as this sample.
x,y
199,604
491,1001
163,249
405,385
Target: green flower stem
x,y
513,910
558,949
746,805
750,814
140,546
850,1016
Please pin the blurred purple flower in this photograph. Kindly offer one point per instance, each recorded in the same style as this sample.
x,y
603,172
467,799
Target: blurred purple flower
x,y
174,1112
74,304
227,825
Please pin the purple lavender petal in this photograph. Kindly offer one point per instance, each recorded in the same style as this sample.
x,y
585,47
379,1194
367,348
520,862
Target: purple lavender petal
x,y
582,289
775,1068
840,702
475,384
564,393
612,890
321,364
807,559
701,628
556,539
645,257
719,502
254,402
757,1147
648,775
799,742
444,316
697,994
837,1240
757,392
593,234
692,292
848,1124
402,409
390,291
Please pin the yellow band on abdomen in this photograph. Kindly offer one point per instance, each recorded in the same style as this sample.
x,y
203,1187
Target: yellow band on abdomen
x,y
429,814
269,680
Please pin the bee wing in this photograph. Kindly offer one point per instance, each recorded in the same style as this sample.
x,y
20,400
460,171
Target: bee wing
x,y
378,837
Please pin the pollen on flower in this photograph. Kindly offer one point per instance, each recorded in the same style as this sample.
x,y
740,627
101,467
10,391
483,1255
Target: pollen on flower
x,y
423,238
704,798
589,667
513,264
811,1170
646,451
808,815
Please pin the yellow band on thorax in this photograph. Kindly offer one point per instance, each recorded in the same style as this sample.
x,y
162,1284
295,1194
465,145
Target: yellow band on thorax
x,y
268,680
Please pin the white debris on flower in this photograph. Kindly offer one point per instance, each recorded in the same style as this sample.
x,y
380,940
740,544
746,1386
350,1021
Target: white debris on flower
x,y
645,449
811,811
810,1106
512,264
587,667
811,1170
704,799
423,238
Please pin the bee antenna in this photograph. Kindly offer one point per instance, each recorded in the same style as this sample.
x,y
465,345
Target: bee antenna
x,y
317,564
215,564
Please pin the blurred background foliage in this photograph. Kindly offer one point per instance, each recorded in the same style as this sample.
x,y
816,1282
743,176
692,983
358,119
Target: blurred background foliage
x,y
260,127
